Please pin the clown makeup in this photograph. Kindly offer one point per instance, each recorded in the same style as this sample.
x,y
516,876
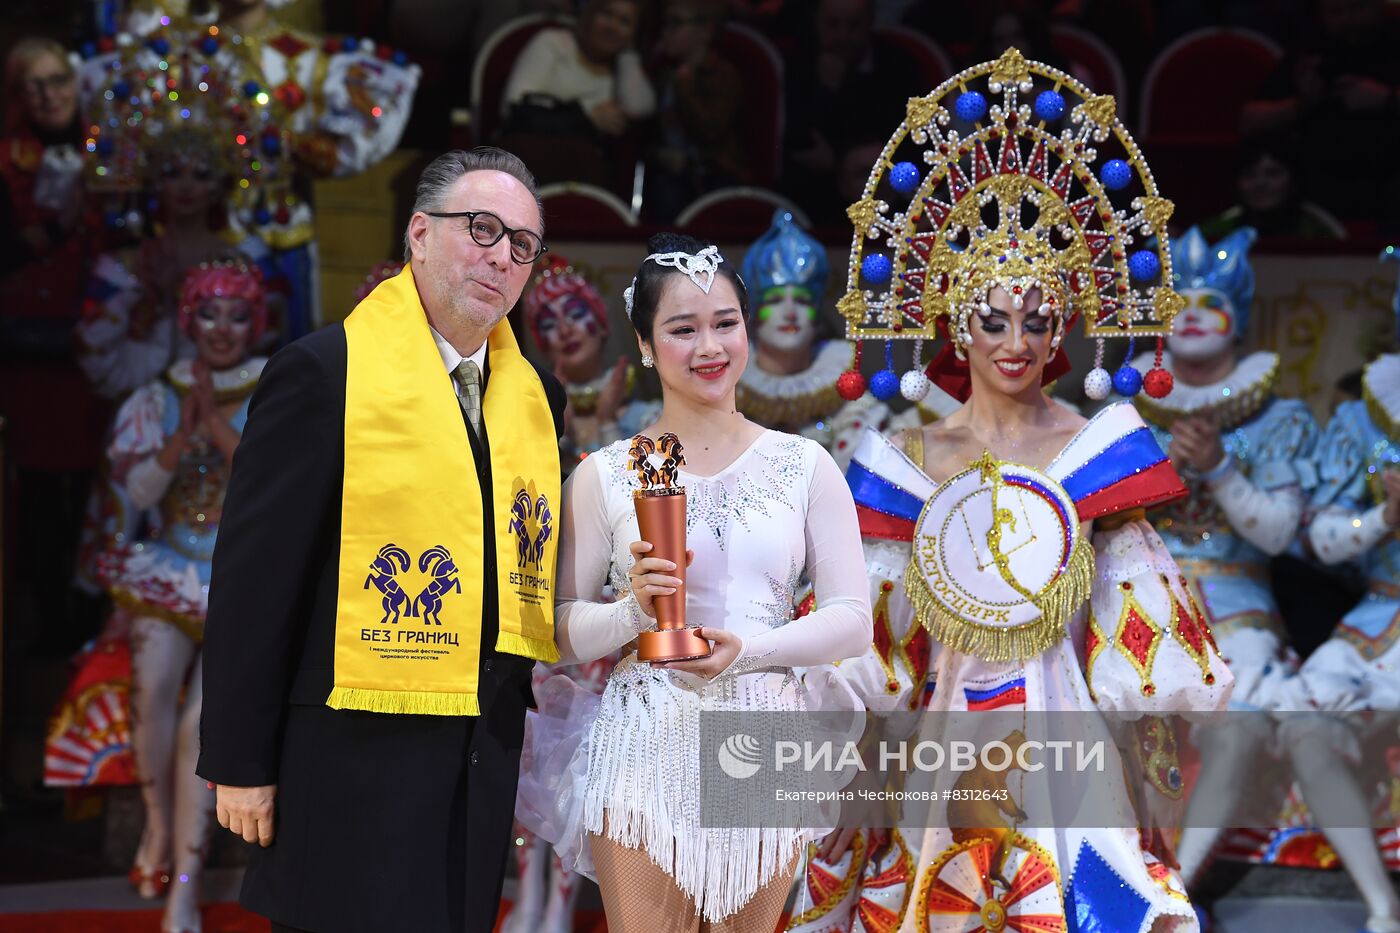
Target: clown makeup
x,y
222,329
1205,328
571,337
1010,345
786,318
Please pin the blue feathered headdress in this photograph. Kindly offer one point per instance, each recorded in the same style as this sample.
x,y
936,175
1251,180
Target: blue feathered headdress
x,y
1223,267
785,255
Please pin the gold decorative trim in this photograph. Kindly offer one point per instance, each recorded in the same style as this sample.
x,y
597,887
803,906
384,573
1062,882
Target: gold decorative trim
x,y
799,409
191,626
1060,599
1241,405
914,446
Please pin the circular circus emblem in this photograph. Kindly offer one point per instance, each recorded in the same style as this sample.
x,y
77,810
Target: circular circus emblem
x,y
998,564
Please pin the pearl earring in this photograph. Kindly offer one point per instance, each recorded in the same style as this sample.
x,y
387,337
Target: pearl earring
x,y
647,361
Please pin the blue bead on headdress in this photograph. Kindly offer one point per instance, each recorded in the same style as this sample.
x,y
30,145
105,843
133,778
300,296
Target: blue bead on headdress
x,y
786,255
1223,267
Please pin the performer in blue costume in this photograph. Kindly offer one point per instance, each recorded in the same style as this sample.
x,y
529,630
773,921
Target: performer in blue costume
x,y
1246,456
791,385
1033,208
1356,511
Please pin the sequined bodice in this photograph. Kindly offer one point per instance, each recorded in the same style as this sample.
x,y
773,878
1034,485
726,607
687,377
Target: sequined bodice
x,y
745,525
196,494
194,501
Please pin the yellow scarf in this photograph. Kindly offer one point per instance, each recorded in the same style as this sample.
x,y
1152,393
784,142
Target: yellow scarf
x,y
408,615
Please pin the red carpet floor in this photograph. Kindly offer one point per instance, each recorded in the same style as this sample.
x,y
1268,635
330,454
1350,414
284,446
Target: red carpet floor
x,y
218,918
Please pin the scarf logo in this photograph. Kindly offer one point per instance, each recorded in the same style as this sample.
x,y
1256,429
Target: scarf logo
x,y
392,560
533,525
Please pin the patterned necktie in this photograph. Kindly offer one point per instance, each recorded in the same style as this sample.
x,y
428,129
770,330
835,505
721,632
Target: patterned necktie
x,y
468,377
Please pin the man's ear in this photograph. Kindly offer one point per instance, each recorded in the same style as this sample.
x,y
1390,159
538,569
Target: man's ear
x,y
417,234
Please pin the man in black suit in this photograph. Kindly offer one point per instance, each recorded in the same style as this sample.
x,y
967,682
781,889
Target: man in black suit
x,y
366,821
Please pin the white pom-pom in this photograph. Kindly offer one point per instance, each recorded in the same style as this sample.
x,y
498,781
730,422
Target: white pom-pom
x,y
914,385
1098,384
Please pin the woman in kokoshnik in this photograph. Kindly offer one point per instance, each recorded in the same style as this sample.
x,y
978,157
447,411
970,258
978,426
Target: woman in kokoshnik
x,y
1010,565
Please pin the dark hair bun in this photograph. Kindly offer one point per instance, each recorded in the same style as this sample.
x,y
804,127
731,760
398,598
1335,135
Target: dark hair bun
x,y
647,287
668,242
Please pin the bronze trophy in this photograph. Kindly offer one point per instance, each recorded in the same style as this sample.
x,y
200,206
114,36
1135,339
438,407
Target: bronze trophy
x,y
660,505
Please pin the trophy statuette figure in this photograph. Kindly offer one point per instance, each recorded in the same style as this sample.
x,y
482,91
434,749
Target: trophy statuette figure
x,y
660,504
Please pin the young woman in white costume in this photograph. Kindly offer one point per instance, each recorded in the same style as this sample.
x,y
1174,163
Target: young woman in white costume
x,y
763,508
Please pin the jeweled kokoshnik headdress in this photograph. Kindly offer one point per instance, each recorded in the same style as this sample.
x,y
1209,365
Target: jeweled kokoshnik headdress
x,y
1010,173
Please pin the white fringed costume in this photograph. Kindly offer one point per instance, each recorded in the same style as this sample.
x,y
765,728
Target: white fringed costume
x,y
629,762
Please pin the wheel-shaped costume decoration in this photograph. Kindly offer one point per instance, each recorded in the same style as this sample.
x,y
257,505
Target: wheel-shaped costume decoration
x,y
89,741
1026,197
830,888
885,887
957,893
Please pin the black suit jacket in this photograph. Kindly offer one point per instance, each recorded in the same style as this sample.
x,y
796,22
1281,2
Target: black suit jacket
x,y
268,663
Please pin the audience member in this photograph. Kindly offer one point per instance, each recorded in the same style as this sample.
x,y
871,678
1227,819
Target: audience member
x,y
1341,86
847,89
697,146
1269,199
571,91
53,421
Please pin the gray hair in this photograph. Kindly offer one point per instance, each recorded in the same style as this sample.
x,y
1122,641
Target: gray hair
x,y
442,173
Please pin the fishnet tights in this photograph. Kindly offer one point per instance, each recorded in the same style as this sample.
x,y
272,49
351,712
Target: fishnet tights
x,y
641,897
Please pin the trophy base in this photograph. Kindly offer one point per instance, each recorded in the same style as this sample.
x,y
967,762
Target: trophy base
x,y
681,644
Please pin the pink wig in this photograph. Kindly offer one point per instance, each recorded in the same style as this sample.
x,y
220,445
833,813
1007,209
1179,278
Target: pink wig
x,y
554,281
223,280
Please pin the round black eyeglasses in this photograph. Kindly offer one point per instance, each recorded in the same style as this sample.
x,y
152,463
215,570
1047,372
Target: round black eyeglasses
x,y
486,229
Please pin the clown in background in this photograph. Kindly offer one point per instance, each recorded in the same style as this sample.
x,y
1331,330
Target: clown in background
x,y
1355,515
568,321
1245,454
790,384
172,448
